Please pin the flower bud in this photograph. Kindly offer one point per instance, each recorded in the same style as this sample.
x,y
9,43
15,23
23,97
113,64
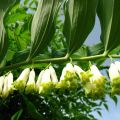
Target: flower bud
x,y
30,86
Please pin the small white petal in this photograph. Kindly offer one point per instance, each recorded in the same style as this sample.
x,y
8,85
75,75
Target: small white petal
x,y
10,80
95,71
113,72
24,75
31,77
5,88
117,63
46,76
53,74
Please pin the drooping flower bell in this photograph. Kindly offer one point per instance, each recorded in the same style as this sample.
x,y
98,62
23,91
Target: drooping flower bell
x,y
30,86
20,83
68,78
7,86
114,74
47,81
96,87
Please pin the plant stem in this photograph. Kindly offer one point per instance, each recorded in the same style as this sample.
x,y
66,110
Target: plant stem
x,y
57,60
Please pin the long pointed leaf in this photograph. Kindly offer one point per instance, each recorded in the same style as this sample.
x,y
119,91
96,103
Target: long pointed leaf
x,y
4,5
79,21
109,15
43,28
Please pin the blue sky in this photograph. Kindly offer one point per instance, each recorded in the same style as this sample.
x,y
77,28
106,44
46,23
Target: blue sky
x,y
114,111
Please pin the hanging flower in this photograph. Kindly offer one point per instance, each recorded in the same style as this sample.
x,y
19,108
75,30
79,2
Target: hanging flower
x,y
30,86
10,82
38,83
20,83
68,79
46,84
115,77
96,87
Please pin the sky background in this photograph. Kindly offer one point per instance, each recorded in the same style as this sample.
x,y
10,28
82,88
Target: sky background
x,y
114,111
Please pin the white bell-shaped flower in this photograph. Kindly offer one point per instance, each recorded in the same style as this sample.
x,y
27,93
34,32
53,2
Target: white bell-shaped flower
x,y
30,86
117,63
20,83
5,92
69,68
39,78
53,75
10,81
96,75
46,76
24,75
113,72
31,79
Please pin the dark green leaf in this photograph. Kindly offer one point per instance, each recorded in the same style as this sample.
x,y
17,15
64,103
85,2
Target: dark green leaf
x,y
96,49
4,5
3,42
43,28
106,106
109,15
115,99
79,21
99,113
17,115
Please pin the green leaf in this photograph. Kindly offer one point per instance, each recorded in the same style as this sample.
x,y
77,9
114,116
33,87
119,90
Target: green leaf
x,y
43,28
32,109
99,113
79,21
109,15
106,106
96,49
115,99
4,5
17,115
3,42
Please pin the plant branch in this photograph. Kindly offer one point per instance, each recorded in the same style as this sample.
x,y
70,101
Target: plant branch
x,y
56,60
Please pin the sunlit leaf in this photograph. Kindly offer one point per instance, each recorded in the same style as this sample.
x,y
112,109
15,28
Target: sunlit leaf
x,y
42,29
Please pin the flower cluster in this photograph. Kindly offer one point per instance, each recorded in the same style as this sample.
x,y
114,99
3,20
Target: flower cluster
x,y
72,78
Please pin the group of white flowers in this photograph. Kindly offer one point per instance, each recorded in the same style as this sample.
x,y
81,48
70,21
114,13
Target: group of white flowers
x,y
92,81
